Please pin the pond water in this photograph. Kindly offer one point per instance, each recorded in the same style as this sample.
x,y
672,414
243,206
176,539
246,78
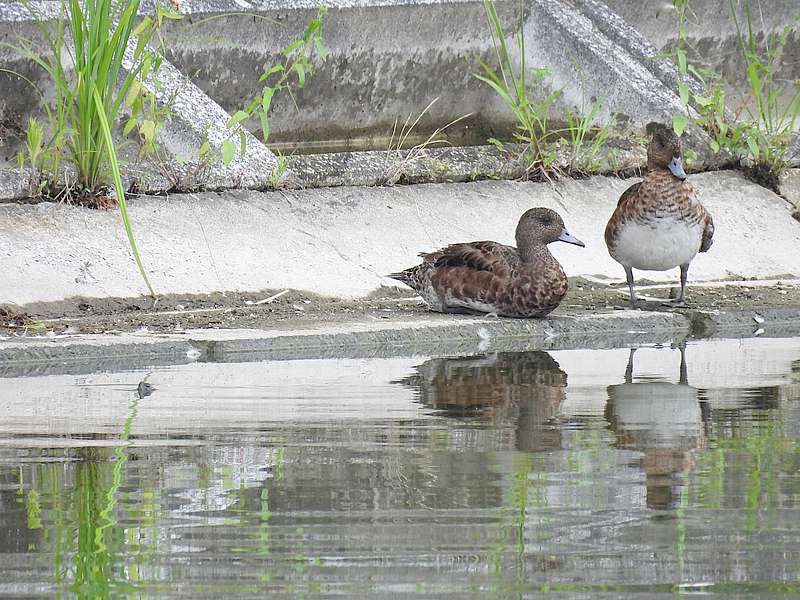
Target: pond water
x,y
659,472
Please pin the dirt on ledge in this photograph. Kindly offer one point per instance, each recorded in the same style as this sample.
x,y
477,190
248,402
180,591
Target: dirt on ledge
x,y
292,309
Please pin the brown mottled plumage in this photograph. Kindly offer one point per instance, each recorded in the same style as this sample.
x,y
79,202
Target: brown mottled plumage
x,y
659,224
522,390
488,277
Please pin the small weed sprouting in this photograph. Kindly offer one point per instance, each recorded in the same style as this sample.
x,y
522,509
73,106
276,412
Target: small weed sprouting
x,y
757,130
279,171
41,158
547,151
772,124
281,77
585,141
399,160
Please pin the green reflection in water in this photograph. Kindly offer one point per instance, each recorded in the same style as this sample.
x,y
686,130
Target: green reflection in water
x,y
78,524
513,519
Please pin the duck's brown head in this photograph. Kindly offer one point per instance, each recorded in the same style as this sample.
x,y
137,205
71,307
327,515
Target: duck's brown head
x,y
664,150
538,227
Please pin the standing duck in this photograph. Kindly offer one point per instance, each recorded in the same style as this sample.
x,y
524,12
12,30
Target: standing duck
x,y
487,277
659,224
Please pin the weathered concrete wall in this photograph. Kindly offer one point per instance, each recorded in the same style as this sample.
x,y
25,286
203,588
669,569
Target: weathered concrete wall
x,y
711,31
341,241
388,60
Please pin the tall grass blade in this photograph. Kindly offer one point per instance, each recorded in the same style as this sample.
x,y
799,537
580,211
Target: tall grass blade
x,y
123,208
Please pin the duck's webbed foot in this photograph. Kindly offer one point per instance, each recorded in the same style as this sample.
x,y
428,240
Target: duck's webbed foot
x,y
675,303
636,304
679,302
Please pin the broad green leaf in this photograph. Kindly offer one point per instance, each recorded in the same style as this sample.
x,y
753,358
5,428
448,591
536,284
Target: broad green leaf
x,y
683,92
129,125
312,27
253,105
703,101
237,117
273,69
679,123
266,98
133,93
321,51
228,152
681,55
204,150
264,125
292,47
144,24
148,130
301,74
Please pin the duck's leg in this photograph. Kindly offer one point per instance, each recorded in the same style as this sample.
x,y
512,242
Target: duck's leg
x,y
683,372
629,277
629,368
679,302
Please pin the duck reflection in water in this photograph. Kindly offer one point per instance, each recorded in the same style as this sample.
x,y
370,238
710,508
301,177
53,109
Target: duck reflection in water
x,y
519,389
666,422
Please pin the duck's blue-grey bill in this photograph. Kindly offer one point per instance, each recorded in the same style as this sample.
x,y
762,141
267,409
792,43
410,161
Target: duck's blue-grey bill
x,y
676,167
566,236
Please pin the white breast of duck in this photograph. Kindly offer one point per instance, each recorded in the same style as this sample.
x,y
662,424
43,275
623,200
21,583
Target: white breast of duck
x,y
657,242
659,226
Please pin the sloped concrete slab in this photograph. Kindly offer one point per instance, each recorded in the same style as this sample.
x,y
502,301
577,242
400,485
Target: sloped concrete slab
x,y
342,241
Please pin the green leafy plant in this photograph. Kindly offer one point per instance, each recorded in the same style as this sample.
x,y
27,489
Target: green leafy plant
x,y
759,128
776,103
93,37
711,110
513,86
547,150
40,157
280,170
278,78
585,140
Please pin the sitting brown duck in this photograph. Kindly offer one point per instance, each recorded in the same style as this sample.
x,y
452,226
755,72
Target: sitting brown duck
x,y
488,277
659,223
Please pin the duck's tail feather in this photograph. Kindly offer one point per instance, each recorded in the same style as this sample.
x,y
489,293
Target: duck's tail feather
x,y
402,276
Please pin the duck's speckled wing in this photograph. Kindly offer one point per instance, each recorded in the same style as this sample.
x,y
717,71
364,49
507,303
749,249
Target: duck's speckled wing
x,y
460,270
629,193
708,233
628,197
525,292
481,256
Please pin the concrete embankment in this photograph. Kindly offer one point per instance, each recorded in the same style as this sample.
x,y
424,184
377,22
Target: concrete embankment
x,y
339,243
342,241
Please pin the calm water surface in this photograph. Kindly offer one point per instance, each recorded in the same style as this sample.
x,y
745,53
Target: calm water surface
x,y
576,473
